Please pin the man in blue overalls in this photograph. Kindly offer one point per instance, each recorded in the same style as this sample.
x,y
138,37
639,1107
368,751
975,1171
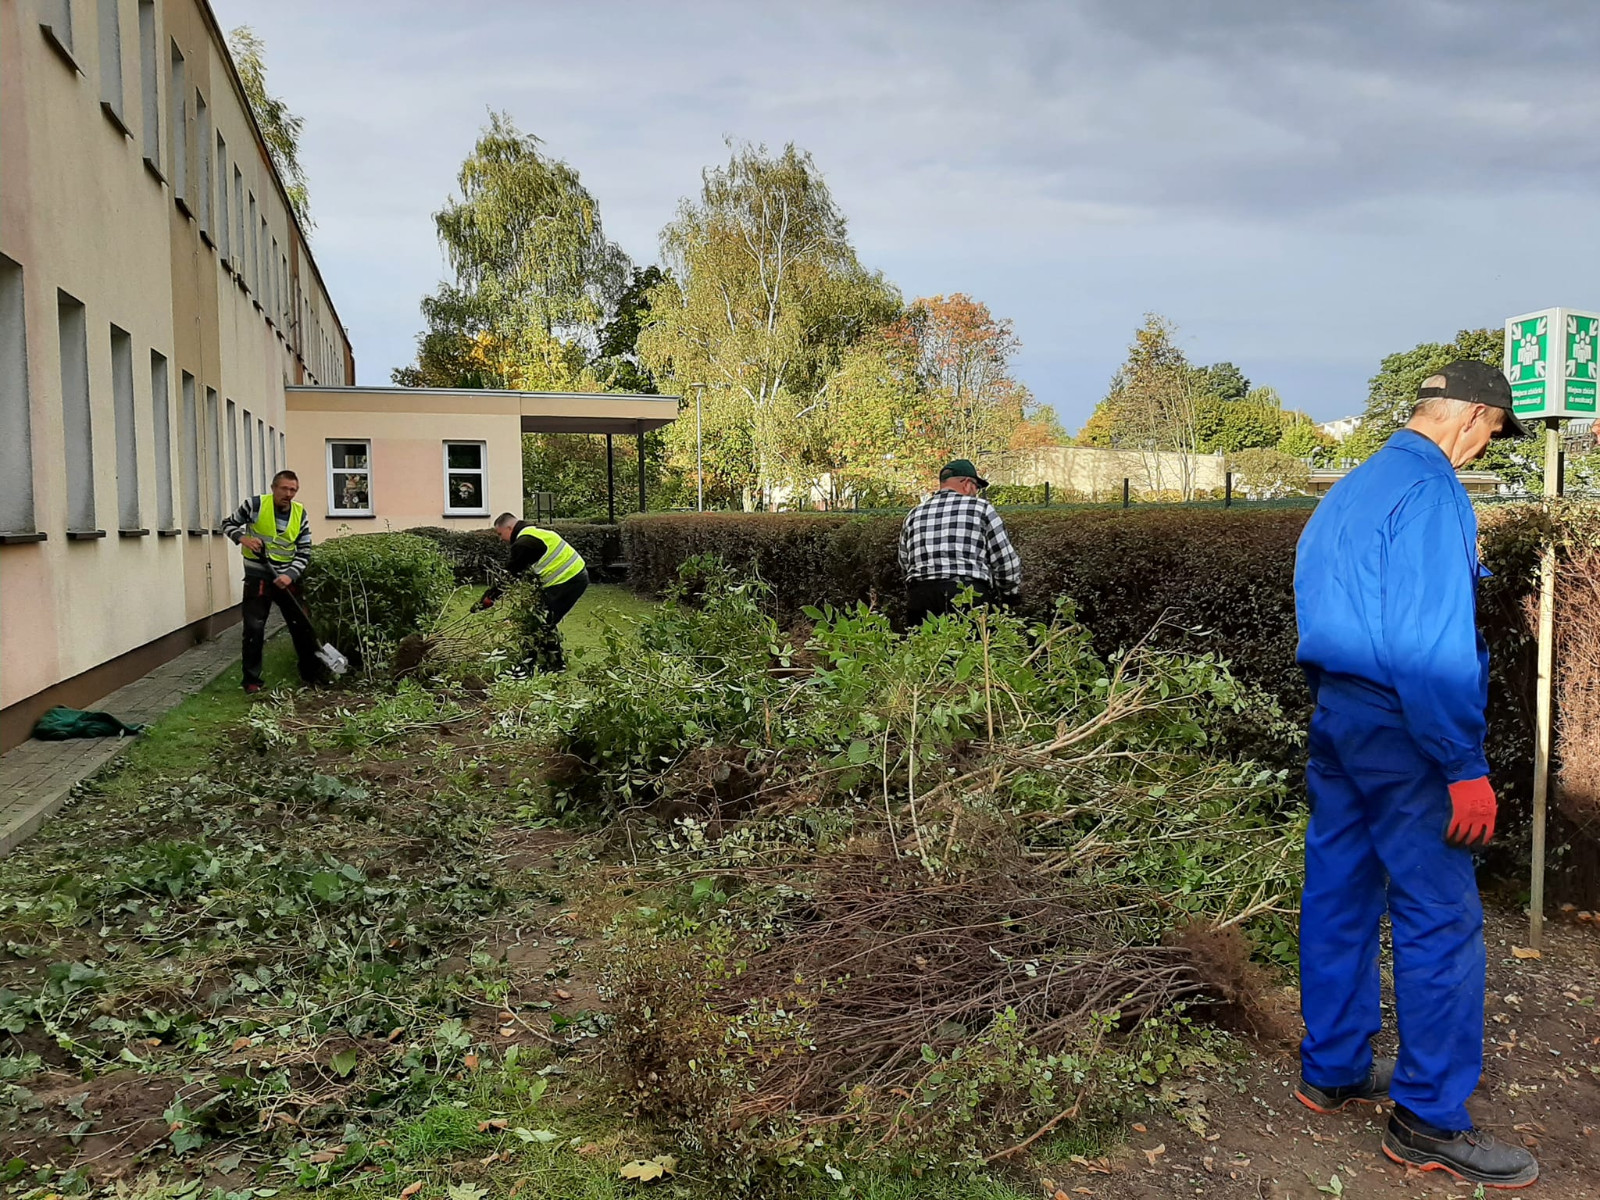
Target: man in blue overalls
x,y
1386,595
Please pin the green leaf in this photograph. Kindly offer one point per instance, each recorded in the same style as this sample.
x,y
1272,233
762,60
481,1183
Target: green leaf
x,y
345,1062
543,1136
860,751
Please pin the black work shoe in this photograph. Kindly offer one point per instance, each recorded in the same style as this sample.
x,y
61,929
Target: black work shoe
x,y
1373,1090
1470,1155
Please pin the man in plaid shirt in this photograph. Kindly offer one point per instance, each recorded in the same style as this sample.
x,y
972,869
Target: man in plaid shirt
x,y
954,540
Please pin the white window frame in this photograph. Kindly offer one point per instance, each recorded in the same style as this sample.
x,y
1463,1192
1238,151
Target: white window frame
x,y
481,471
327,459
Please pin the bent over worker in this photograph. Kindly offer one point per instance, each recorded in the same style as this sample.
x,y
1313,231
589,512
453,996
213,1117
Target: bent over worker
x,y
954,540
275,537
547,557
1386,597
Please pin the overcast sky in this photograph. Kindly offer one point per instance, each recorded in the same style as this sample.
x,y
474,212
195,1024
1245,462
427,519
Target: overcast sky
x,y
1303,186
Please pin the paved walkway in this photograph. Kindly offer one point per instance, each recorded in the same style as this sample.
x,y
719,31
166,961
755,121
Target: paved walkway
x,y
37,778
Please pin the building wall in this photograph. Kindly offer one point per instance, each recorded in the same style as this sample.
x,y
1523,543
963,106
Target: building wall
x,y
98,204
1098,473
407,435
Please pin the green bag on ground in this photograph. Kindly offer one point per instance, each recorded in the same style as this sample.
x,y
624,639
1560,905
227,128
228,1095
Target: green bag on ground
x,y
60,723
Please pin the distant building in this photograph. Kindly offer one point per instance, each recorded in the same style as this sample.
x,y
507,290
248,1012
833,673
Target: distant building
x,y
1341,429
1477,483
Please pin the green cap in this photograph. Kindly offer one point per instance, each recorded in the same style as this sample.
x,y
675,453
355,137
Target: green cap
x,y
962,468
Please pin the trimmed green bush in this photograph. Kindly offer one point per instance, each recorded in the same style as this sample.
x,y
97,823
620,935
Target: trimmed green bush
x,y
366,591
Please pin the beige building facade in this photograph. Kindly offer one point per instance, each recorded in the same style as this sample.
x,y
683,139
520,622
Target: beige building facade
x,y
157,297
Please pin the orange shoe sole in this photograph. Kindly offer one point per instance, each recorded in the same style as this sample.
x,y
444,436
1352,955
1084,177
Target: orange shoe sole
x,y
1328,1112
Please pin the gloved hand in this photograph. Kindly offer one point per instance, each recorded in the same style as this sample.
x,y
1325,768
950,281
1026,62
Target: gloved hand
x,y
487,600
1472,806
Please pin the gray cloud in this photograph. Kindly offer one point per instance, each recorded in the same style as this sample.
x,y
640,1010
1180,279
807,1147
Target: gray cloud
x,y
1302,186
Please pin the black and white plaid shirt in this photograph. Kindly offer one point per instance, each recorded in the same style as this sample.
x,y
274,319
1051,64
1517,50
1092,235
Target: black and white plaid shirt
x,y
951,536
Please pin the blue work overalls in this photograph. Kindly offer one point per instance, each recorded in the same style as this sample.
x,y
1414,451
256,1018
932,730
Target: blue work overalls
x,y
1386,598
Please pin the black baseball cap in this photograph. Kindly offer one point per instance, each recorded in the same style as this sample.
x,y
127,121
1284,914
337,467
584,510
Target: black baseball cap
x,y
1476,383
962,468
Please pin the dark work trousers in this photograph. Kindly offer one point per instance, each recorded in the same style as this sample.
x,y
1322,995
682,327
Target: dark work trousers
x,y
259,597
1379,809
558,600
935,597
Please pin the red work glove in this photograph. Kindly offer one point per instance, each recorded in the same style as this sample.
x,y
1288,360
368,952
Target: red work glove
x,y
1472,809
487,601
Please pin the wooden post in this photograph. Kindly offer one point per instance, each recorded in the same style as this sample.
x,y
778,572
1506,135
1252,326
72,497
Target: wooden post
x,y
1227,489
1127,493
1545,690
1047,493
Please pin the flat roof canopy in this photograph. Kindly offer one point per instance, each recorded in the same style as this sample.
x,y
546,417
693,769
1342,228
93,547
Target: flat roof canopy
x,y
540,412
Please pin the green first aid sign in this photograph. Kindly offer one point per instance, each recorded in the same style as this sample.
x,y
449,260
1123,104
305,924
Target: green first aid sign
x,y
1551,362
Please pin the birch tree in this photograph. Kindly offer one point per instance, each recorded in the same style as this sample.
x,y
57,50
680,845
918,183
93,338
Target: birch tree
x,y
764,298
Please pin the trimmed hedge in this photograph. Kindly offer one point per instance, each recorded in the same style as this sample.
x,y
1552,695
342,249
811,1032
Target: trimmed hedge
x,y
477,557
1211,579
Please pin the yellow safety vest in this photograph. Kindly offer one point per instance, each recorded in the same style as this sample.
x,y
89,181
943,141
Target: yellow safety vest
x,y
560,561
280,547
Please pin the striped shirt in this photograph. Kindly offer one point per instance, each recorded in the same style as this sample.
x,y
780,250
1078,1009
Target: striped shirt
x,y
951,536
240,525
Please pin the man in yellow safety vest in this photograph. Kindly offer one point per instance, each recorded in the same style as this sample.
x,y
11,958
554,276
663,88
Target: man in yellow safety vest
x,y
546,556
275,537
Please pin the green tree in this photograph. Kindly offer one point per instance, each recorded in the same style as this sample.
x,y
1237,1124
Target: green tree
x,y
1392,392
534,274
279,126
765,297
618,364
1303,440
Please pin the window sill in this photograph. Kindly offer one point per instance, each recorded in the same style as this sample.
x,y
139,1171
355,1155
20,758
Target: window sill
x,y
21,539
198,532
85,535
206,238
350,516
60,47
466,512
183,206
115,118
154,168
133,533
168,532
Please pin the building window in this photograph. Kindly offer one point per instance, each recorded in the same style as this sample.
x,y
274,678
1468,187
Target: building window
x,y
77,423
161,426
214,454
178,131
253,276
148,70
349,479
225,243
283,452
125,427
111,62
466,479
202,133
55,18
238,213
264,267
250,456
261,454
272,447
275,309
16,422
191,455
233,454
